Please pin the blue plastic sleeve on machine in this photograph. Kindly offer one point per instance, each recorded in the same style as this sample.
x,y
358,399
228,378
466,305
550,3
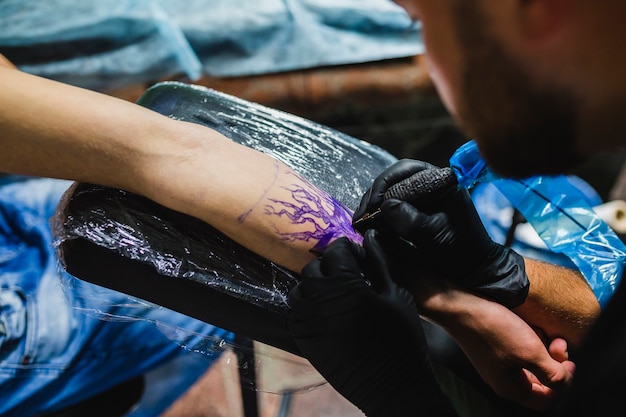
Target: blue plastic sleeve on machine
x,y
561,216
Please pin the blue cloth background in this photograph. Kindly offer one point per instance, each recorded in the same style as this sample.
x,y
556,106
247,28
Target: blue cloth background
x,y
112,43
51,353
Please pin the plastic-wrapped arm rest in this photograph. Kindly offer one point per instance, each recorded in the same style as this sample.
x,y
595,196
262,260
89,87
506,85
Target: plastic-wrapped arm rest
x,y
122,241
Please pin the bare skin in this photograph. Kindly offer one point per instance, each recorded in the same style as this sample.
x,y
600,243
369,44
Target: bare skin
x,y
6,63
560,303
123,145
505,351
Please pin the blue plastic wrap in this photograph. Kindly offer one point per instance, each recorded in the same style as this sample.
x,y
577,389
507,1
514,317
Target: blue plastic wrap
x,y
561,215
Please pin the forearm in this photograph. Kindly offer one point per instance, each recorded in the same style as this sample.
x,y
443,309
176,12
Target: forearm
x,y
4,62
256,200
499,343
560,302
55,130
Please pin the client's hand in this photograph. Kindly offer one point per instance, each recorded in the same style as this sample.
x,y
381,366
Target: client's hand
x,y
507,353
447,236
363,333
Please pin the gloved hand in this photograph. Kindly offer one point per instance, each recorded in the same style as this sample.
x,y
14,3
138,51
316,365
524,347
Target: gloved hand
x,y
374,196
363,333
448,237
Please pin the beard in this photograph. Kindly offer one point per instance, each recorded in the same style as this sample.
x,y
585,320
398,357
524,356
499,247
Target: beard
x,y
522,128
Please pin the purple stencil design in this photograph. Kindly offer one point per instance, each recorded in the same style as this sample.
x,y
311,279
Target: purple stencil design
x,y
243,216
329,218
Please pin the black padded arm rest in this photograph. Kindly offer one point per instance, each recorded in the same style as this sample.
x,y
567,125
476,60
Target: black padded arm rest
x,y
92,214
128,243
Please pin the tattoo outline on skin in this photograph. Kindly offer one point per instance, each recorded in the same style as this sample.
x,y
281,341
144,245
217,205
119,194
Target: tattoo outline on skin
x,y
311,206
243,216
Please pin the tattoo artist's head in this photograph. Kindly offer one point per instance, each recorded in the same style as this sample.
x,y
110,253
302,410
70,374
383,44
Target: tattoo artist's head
x,y
519,80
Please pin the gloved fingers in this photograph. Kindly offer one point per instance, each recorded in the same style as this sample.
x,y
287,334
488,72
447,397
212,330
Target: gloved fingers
x,y
330,276
338,259
342,258
409,223
379,274
400,170
313,270
461,210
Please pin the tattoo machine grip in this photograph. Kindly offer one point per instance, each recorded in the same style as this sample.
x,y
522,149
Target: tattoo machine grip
x,y
423,183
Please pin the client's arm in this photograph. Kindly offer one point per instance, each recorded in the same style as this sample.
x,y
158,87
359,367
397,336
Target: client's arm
x,y
56,130
505,351
4,62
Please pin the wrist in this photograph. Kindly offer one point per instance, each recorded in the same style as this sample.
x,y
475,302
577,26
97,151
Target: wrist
x,y
174,150
502,279
439,300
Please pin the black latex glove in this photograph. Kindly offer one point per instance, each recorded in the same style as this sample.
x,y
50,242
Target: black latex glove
x,y
373,197
448,236
363,333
